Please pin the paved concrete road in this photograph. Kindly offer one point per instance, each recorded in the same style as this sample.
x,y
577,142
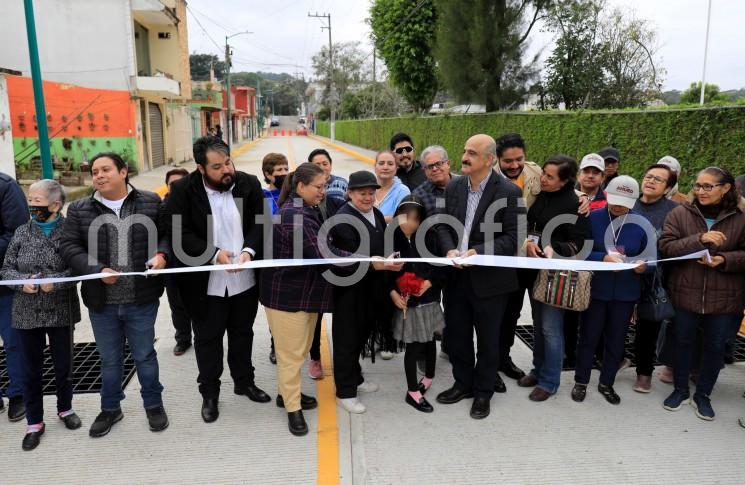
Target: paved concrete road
x,y
558,441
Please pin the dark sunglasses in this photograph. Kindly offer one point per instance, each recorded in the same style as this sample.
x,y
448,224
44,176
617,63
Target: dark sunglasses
x,y
400,150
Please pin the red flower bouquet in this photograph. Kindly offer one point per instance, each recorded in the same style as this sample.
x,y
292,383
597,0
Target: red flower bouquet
x,y
409,284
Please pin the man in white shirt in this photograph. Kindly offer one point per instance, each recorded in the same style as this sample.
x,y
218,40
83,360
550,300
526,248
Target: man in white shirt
x,y
218,206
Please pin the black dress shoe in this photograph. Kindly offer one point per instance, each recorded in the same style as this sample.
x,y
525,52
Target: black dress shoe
x,y
103,423
210,411
423,405
72,421
32,440
181,348
609,394
296,423
157,419
306,402
253,393
453,395
511,370
579,392
16,409
480,408
499,385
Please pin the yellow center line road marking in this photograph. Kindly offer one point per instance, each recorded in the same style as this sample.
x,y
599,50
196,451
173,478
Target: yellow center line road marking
x,y
163,189
342,149
328,430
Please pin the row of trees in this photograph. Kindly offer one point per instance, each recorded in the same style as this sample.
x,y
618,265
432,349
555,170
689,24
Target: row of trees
x,y
476,51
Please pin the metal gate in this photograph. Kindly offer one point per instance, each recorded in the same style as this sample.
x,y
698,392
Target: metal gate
x,y
157,148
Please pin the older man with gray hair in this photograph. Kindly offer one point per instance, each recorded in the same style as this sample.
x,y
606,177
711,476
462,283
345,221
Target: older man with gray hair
x,y
436,165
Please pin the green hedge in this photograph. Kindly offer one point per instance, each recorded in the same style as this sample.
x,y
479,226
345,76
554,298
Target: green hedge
x,y
696,137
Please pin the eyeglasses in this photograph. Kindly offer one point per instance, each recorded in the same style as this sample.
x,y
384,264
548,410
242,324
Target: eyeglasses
x,y
704,187
657,180
436,165
407,149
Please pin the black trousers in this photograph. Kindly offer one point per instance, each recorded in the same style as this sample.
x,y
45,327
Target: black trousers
x,y
645,345
571,335
234,315
513,308
315,347
354,319
181,320
32,343
464,312
606,321
419,352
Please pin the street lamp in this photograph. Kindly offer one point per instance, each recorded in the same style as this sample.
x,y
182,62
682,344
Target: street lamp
x,y
227,81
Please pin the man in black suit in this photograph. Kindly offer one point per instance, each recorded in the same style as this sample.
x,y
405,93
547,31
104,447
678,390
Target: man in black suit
x,y
218,301
475,297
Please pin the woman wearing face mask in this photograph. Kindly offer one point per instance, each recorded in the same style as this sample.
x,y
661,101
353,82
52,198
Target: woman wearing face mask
x,y
358,303
654,205
45,310
705,293
618,235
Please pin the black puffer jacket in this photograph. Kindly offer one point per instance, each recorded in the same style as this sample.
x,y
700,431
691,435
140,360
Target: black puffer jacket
x,y
13,214
74,245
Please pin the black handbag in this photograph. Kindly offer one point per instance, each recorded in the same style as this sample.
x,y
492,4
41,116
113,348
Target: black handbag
x,y
655,305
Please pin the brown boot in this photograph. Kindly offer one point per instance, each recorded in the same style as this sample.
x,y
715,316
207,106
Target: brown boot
x,y
539,395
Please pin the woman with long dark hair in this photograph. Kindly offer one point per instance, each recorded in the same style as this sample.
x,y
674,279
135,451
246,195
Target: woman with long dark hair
x,y
705,293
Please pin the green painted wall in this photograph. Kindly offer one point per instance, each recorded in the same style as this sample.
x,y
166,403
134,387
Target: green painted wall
x,y
80,148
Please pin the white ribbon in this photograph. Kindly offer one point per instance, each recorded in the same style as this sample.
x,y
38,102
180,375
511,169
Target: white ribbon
x,y
476,260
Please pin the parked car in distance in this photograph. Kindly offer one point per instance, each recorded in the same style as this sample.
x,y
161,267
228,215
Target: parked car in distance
x,y
274,121
437,108
301,121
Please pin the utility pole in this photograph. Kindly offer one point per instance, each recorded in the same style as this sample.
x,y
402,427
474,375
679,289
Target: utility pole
x,y
227,84
47,171
330,83
706,51
374,87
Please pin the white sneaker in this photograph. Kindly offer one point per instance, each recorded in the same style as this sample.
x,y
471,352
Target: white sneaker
x,y
386,355
352,405
368,386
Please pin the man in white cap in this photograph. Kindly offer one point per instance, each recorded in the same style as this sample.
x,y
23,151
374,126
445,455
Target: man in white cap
x,y
674,165
590,178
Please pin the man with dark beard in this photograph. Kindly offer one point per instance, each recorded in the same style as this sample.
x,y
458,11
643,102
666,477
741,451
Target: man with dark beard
x,y
409,168
217,206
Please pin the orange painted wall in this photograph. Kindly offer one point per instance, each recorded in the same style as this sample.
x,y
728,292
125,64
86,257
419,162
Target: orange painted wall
x,y
72,111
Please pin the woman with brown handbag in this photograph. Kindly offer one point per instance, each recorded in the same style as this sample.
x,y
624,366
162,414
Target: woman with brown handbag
x,y
557,198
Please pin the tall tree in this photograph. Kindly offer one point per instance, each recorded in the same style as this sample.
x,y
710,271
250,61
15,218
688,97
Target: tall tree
x,y
199,65
574,71
481,45
404,34
349,66
632,74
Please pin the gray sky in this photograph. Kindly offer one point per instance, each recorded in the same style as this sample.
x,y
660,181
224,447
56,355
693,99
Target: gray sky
x,y
285,39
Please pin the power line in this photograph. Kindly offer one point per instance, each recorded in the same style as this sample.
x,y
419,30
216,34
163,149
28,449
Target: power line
x,y
203,29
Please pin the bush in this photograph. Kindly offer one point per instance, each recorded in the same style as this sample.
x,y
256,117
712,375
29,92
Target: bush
x,y
696,137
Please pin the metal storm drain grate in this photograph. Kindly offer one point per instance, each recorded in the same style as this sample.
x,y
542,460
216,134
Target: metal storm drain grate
x,y
87,369
525,333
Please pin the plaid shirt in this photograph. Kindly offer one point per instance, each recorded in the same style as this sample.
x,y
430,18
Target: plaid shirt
x,y
302,288
430,193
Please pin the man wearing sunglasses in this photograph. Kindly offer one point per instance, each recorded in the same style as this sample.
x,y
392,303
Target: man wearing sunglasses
x,y
409,169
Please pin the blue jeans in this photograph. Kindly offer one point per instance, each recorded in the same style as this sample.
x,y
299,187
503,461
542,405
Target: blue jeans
x,y
13,360
548,348
715,331
137,324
